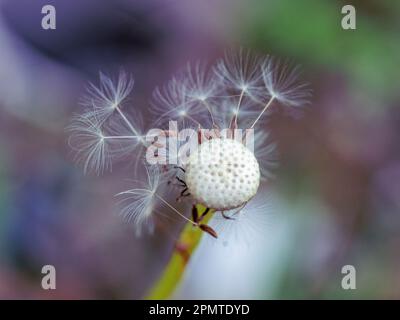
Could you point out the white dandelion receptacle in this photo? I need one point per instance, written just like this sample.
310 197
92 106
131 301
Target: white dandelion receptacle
222 174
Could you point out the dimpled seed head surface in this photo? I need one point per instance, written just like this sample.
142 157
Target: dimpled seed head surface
222 174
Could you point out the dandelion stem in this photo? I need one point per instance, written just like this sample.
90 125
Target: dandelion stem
263 110
185 246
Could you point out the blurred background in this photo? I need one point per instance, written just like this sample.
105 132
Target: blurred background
337 189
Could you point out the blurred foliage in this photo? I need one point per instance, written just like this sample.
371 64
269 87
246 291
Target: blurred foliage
311 30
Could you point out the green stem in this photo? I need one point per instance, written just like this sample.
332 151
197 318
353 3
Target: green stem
184 248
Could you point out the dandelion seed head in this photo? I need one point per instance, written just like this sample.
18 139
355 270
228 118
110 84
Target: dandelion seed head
222 174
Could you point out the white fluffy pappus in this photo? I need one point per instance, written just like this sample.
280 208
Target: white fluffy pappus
104 99
248 225
241 72
173 102
104 132
139 205
282 82
88 142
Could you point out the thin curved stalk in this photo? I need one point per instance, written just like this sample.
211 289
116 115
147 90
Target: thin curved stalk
188 241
